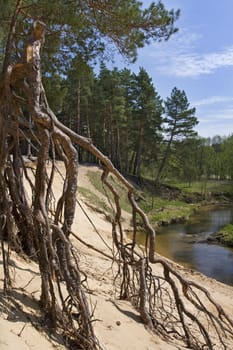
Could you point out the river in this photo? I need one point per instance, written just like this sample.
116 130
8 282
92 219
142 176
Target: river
181 243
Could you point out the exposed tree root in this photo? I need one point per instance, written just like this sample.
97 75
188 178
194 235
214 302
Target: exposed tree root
41 225
169 304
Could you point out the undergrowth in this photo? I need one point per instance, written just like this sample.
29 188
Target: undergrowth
157 208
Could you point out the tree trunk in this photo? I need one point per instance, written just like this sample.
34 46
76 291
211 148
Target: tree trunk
78 115
138 157
164 159
126 152
168 303
43 235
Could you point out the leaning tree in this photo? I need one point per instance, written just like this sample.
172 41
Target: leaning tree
38 224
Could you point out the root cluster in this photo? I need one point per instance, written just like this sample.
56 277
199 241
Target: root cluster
34 222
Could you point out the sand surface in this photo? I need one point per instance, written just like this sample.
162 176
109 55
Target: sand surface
118 324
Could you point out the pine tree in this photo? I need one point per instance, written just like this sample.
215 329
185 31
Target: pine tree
86 28
40 223
147 110
179 123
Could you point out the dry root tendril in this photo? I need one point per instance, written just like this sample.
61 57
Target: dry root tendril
168 304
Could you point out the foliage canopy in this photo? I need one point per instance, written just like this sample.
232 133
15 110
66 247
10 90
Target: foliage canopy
87 28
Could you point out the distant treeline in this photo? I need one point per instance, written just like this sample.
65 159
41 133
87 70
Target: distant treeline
123 114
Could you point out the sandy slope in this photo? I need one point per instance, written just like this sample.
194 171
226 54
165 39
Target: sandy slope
118 325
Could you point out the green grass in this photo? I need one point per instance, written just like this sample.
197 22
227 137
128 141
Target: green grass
215 186
121 190
226 233
157 208
94 200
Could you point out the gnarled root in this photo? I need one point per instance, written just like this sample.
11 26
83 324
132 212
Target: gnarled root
168 303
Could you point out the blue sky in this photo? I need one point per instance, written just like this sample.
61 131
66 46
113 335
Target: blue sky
199 60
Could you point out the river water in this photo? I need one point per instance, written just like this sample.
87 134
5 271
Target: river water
181 243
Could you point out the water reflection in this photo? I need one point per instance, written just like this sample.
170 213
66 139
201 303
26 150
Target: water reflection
181 244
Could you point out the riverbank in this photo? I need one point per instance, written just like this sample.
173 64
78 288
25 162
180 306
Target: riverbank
224 236
117 324
163 204
167 204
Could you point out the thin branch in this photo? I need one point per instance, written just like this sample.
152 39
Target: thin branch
12 31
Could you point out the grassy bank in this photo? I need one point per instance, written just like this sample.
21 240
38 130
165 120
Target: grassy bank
210 186
224 236
163 205
159 210
162 211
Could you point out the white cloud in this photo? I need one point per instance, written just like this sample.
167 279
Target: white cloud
179 57
210 129
193 64
227 114
216 117
212 100
215 123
